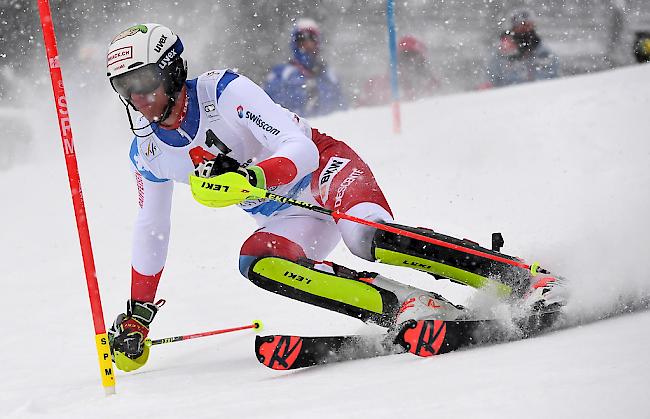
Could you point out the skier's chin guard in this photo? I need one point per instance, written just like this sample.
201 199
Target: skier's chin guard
444 261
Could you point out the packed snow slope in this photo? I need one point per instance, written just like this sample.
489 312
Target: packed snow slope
559 167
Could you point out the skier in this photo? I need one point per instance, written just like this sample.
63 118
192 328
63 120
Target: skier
221 125
306 84
531 61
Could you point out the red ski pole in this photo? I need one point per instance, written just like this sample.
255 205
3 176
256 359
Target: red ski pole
230 187
256 326
337 215
101 339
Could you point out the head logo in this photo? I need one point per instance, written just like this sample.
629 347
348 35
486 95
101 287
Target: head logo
240 111
131 31
160 43
119 54
167 59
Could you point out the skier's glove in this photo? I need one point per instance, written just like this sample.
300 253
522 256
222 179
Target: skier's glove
224 190
222 182
224 164
128 333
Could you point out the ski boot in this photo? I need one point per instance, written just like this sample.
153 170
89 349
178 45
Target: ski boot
546 293
542 303
423 305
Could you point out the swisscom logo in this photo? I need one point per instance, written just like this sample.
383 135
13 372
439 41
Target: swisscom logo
257 120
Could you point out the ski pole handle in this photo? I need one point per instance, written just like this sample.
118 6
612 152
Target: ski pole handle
256 326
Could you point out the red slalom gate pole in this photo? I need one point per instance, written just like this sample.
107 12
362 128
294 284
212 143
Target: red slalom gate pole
256 326
101 338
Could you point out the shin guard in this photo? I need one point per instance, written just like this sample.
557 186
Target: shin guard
342 290
454 264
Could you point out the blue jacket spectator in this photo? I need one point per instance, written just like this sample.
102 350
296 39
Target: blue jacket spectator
305 85
521 56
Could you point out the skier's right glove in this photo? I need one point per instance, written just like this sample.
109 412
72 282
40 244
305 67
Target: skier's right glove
224 190
128 333
224 164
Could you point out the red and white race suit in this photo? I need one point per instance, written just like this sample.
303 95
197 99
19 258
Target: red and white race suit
227 113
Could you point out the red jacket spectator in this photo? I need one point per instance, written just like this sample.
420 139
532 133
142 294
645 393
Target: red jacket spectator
416 80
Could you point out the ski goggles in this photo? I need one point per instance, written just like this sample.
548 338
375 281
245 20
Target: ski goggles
141 81
306 35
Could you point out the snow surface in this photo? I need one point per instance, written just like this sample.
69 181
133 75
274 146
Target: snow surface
559 167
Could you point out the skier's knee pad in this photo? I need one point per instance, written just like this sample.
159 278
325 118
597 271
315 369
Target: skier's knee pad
447 259
262 243
342 290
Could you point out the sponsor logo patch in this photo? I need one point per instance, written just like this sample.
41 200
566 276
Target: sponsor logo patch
257 120
54 62
150 150
240 111
138 180
119 54
131 31
167 59
340 192
428 301
299 278
210 109
160 44
416 265
334 165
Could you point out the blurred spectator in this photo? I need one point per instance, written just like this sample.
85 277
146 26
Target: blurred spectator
521 56
305 85
416 79
16 120
502 58
642 47
615 28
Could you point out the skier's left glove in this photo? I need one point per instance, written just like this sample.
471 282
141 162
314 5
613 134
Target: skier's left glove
224 164
127 336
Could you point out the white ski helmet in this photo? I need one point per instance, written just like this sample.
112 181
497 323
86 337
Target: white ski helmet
142 58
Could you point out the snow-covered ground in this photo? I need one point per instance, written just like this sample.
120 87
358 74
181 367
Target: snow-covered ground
559 167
